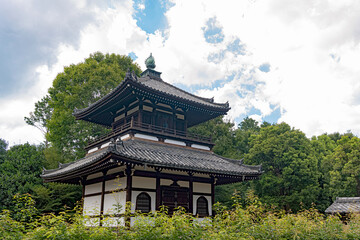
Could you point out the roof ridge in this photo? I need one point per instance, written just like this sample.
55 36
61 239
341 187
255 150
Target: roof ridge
209 100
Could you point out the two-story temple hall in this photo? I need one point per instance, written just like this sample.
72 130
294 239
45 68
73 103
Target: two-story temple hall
149 158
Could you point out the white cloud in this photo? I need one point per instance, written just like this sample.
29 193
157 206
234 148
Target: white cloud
312 48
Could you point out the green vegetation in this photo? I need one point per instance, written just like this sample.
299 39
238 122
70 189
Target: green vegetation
254 220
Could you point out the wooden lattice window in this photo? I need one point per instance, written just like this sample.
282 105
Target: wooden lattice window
143 202
202 207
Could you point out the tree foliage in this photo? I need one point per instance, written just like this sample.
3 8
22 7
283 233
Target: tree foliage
41 116
290 168
20 171
77 87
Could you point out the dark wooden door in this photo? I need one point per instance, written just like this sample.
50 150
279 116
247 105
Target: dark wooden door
174 197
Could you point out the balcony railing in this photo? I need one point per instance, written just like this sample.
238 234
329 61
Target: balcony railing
152 129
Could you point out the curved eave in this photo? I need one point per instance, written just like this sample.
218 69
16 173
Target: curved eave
128 86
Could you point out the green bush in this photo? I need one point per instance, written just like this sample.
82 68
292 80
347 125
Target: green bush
250 221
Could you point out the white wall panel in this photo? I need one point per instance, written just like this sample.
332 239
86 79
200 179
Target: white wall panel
92 205
91 222
93 188
114 203
115 170
113 221
95 175
114 184
202 187
144 182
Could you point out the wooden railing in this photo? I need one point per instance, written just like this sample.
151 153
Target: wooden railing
152 129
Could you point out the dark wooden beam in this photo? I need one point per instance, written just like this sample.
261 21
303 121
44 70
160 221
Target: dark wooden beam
128 173
158 190
191 193
102 197
212 195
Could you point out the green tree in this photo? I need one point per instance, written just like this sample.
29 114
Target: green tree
222 135
323 147
290 168
77 87
3 146
247 127
343 166
20 172
41 116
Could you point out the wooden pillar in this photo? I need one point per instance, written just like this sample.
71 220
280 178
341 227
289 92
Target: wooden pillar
158 190
191 196
212 195
140 111
128 173
82 181
102 197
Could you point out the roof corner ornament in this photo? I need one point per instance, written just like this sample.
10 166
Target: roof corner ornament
150 62
133 75
227 104
43 170
212 99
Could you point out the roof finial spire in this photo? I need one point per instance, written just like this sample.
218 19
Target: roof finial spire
150 62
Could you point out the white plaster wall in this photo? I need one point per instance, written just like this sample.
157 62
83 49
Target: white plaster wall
142 168
116 170
201 187
114 184
115 200
144 182
92 205
134 194
200 147
95 175
91 222
208 198
113 221
92 150
105 145
93 188
124 136
174 142
147 137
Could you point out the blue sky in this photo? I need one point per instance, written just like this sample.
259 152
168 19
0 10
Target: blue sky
273 60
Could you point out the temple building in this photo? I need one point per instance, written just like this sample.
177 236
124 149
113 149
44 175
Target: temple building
149 158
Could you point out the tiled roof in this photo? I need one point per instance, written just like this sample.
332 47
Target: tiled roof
344 205
163 155
159 86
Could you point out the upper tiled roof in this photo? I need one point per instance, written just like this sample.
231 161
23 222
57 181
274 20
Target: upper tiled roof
159 86
344 205
164 87
162 155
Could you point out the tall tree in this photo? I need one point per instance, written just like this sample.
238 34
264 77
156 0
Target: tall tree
3 146
41 116
290 168
77 87
20 171
222 134
343 166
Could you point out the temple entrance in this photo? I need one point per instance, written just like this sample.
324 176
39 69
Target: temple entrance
174 196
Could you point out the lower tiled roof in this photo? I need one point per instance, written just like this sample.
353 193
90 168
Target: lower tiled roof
161 155
344 205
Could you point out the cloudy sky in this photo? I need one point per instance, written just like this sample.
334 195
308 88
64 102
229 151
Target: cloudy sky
273 60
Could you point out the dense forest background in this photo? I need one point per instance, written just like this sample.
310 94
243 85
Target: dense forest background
299 173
